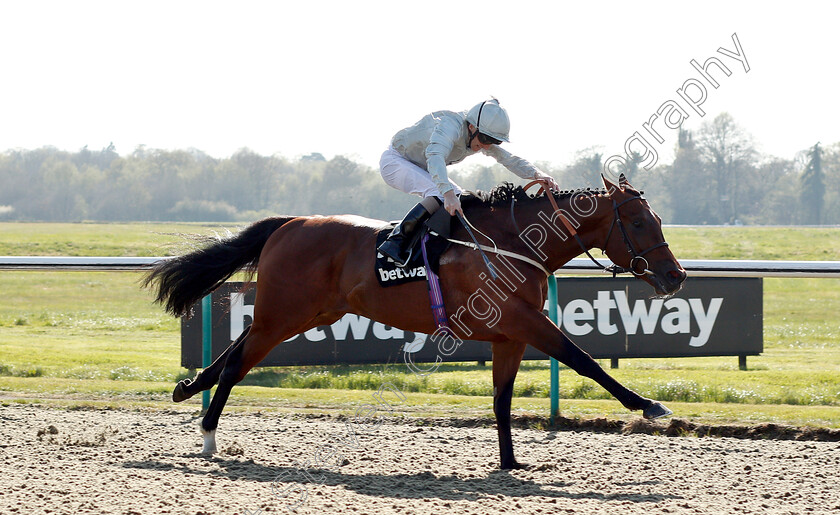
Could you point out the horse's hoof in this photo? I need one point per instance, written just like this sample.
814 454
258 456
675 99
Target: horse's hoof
515 465
209 442
179 393
656 410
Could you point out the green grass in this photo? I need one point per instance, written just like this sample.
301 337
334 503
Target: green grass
143 394
95 337
162 239
780 243
98 239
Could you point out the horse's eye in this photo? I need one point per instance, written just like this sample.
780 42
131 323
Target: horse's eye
636 223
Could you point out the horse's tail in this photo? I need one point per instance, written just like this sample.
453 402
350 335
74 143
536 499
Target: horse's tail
184 280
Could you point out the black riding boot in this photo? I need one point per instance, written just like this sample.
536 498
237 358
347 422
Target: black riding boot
396 246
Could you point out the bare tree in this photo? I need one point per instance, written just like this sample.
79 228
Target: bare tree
729 152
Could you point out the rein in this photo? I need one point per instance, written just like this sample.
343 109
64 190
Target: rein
636 257
502 252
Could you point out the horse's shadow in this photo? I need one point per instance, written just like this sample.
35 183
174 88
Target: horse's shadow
419 485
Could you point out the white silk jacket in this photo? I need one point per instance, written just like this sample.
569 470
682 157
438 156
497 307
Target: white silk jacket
440 139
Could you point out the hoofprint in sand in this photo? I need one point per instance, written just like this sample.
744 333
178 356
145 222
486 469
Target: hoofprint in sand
56 460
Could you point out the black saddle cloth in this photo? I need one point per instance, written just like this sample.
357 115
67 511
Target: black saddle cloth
389 274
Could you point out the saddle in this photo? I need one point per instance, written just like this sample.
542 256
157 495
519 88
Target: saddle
438 228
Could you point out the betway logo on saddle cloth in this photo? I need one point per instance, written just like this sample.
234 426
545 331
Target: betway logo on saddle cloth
401 273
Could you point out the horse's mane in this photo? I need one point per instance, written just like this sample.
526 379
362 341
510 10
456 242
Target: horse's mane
501 195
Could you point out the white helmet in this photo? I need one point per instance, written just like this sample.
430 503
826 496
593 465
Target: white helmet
491 119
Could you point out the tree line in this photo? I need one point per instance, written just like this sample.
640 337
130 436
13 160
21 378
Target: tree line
717 177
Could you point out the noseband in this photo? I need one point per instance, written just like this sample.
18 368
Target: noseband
636 257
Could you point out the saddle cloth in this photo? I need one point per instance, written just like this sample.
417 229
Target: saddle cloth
389 274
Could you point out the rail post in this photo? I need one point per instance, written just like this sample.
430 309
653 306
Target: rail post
555 367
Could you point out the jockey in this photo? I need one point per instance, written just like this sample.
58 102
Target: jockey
417 158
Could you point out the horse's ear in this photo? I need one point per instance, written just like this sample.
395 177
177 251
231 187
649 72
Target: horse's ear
622 181
625 186
610 186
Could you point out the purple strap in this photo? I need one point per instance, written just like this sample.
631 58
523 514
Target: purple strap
435 294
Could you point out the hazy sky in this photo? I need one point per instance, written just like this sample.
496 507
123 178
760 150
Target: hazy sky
342 77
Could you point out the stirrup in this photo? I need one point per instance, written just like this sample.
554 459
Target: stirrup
407 259
381 254
386 249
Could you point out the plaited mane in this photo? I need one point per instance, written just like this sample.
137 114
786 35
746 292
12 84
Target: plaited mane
501 195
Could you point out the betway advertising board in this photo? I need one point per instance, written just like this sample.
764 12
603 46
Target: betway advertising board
607 317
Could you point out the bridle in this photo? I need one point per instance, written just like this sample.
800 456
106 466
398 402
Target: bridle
636 256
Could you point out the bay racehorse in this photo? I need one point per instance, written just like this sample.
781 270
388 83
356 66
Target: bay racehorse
311 270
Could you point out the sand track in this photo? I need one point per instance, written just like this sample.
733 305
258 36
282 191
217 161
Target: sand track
55 460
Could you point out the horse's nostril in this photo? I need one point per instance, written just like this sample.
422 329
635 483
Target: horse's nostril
677 276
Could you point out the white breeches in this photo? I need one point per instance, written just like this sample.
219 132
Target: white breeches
400 173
